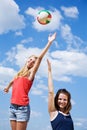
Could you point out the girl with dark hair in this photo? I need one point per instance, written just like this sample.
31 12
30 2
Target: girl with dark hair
59 106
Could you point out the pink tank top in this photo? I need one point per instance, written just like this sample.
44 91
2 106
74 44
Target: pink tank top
20 89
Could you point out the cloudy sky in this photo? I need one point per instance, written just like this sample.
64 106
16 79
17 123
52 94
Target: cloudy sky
21 36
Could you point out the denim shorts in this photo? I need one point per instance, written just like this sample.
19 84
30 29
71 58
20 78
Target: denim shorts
19 113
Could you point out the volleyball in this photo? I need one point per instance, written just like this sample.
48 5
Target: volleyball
44 17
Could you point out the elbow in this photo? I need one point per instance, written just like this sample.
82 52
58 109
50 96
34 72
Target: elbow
48 110
39 59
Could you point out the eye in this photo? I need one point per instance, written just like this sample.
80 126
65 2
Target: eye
60 99
64 100
33 62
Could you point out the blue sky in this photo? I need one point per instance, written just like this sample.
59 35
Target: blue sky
21 36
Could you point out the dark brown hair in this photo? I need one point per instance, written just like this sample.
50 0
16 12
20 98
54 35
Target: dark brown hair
69 106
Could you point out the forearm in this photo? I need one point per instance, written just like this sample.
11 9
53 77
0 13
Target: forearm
51 106
45 49
8 87
50 83
10 84
39 59
50 40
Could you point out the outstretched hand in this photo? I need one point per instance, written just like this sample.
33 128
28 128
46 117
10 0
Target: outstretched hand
6 90
51 38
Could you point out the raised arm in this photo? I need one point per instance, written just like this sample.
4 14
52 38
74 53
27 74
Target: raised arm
8 87
51 106
38 61
51 38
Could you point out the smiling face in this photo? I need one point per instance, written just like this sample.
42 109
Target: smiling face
62 101
31 61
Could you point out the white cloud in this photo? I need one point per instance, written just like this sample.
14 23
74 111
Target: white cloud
30 39
53 25
36 91
6 71
35 114
10 19
64 63
81 122
33 12
68 63
6 74
39 86
70 11
18 33
73 42
73 102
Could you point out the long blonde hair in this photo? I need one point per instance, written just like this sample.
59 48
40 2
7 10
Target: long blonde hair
24 72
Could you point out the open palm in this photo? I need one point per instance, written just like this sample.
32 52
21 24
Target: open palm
52 37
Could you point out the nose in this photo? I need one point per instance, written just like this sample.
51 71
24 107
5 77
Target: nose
62 101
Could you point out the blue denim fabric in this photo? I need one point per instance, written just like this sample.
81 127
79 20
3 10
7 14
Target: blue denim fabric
19 113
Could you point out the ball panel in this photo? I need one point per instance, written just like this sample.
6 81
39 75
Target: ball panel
44 17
